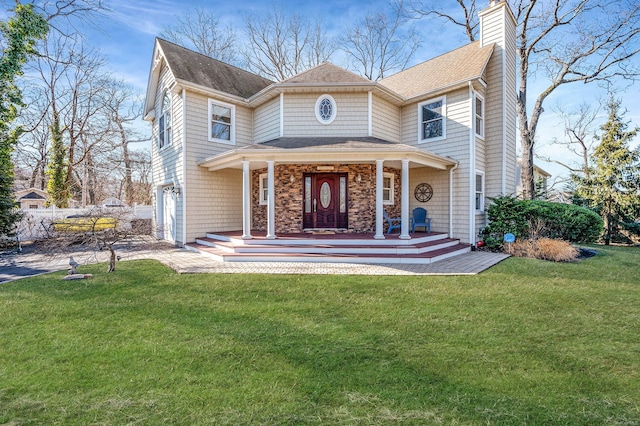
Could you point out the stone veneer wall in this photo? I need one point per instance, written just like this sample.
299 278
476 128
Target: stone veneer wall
288 196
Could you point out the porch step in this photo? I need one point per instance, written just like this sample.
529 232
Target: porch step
333 239
421 248
275 256
321 247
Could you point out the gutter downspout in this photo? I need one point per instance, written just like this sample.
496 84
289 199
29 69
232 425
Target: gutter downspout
451 170
184 168
472 167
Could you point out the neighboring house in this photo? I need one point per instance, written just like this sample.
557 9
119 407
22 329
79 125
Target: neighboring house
540 179
32 198
330 150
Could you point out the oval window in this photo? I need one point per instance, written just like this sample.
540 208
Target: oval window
325 195
326 109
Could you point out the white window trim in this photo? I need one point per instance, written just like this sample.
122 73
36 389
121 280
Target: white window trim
475 190
334 109
232 131
167 123
444 119
264 200
481 134
391 200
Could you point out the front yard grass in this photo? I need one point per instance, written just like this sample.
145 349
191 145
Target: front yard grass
526 342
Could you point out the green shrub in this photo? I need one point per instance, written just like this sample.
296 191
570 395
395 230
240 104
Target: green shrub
565 221
506 214
538 219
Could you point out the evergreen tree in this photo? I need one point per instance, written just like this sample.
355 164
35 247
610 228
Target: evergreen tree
613 186
18 37
57 168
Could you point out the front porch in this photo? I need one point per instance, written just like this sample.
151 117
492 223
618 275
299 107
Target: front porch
329 247
291 185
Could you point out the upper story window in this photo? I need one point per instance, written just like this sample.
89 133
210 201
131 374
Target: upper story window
479 112
164 123
431 116
326 109
222 122
387 188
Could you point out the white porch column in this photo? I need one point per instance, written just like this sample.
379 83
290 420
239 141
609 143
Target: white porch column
404 205
271 207
379 207
246 200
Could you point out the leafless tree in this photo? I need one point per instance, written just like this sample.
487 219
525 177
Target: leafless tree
64 16
281 46
69 80
99 229
567 40
123 109
201 29
580 128
32 156
95 113
381 43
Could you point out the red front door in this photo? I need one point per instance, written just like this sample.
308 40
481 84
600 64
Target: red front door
325 201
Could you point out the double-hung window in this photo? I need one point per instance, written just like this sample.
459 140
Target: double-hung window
479 113
264 188
480 192
387 188
164 122
222 122
432 120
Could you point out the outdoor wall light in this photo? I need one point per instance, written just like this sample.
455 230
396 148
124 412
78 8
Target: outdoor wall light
358 178
292 179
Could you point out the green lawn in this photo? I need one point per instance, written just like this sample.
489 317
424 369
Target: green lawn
527 342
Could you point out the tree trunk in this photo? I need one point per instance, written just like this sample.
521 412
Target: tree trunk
112 259
128 180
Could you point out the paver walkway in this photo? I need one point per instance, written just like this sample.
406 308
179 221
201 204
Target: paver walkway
14 266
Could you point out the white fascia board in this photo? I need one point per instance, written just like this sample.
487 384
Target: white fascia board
152 82
275 89
233 159
237 100
462 84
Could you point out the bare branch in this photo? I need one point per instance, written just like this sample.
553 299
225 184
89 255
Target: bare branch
416 9
572 40
380 43
281 46
201 30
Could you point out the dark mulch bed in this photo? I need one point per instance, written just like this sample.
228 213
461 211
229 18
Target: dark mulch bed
584 253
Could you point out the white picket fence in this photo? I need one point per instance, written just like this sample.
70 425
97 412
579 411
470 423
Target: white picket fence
35 221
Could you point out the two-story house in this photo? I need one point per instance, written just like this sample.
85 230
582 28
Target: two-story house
240 161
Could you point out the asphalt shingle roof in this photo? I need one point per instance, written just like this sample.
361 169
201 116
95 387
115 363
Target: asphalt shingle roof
326 72
462 64
329 142
200 69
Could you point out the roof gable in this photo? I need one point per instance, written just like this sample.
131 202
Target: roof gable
463 64
199 69
326 73
31 194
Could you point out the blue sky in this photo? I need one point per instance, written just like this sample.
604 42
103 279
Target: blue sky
126 33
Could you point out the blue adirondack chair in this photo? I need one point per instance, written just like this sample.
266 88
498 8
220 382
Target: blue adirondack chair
420 219
391 220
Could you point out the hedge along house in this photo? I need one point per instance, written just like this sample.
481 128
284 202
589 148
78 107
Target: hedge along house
241 162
